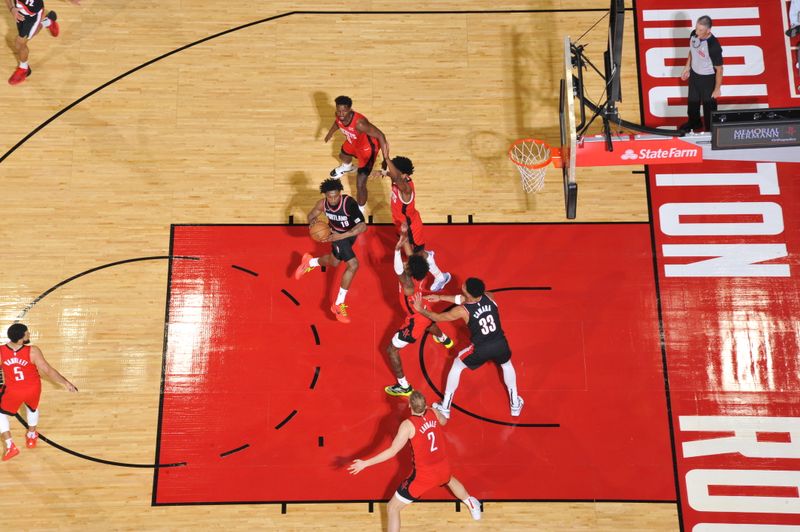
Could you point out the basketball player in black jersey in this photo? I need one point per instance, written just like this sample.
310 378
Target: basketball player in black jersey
346 222
479 311
29 19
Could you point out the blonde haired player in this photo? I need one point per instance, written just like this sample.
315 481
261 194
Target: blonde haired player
431 465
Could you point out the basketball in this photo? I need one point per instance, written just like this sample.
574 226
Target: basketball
319 229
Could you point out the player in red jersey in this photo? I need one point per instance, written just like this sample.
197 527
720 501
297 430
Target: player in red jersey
29 19
21 366
404 211
362 142
431 465
410 275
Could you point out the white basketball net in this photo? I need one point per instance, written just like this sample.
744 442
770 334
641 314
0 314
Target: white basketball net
532 159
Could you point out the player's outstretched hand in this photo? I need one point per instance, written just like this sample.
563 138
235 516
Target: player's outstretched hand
70 387
402 240
433 298
357 466
418 301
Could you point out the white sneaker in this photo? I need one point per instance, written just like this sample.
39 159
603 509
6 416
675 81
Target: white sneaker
516 409
474 506
441 283
442 410
342 169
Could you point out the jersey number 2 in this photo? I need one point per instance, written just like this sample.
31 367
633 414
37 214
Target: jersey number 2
18 375
487 325
432 437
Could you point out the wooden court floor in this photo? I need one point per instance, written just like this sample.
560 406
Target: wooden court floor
230 131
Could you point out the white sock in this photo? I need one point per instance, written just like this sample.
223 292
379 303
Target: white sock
510 378
313 262
32 416
402 382
361 208
441 338
46 22
23 64
9 443
452 382
31 434
435 271
341 296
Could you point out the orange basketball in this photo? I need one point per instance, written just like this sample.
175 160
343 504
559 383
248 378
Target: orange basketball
319 229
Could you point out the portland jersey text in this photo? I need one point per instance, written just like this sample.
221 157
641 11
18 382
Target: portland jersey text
343 216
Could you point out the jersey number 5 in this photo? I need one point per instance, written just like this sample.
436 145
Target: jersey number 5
432 437
18 375
487 325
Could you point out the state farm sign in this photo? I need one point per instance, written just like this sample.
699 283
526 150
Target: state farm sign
638 151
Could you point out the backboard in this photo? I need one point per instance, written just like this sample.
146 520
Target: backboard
568 133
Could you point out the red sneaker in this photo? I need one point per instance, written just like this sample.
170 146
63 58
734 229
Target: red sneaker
340 311
304 267
19 75
30 443
53 27
10 453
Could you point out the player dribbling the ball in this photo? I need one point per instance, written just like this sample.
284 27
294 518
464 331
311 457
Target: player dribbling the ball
346 222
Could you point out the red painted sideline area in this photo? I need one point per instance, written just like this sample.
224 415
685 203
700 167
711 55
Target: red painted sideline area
241 358
727 240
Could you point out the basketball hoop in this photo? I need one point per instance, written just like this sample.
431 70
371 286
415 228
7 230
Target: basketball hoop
531 157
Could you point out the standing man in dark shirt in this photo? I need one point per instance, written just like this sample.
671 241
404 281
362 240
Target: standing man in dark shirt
704 71
346 222
479 311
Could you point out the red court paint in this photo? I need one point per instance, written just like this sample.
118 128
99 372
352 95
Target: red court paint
241 358
726 239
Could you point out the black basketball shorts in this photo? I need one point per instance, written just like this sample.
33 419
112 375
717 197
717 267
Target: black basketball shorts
343 249
476 356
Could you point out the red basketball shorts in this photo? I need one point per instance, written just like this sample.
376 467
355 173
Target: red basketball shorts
422 480
12 396
411 331
365 151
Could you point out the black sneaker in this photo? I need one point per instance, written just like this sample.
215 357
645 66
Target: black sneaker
688 126
398 391
794 31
